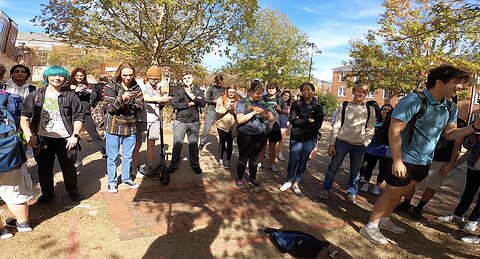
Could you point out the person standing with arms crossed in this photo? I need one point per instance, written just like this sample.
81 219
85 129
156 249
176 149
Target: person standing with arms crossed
211 97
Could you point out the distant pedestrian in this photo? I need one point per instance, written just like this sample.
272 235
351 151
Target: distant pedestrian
284 123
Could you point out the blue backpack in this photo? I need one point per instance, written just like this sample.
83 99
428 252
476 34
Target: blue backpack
12 152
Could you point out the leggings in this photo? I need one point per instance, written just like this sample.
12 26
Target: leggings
249 147
226 143
472 185
368 165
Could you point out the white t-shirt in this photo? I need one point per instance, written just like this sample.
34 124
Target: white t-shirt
152 109
51 123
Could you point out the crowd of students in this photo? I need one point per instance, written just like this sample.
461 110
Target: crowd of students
417 139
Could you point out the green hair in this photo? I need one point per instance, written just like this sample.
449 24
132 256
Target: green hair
54 71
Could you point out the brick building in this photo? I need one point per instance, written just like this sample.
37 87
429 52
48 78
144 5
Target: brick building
8 35
340 89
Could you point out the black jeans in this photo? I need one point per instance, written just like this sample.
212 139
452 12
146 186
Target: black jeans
225 143
472 185
368 165
249 147
45 158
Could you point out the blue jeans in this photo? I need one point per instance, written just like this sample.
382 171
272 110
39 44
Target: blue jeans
299 154
356 153
113 143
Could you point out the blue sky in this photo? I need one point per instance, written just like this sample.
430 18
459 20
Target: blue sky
329 24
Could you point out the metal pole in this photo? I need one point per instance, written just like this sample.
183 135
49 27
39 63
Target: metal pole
310 67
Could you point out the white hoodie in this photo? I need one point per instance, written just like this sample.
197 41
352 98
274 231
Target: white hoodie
13 88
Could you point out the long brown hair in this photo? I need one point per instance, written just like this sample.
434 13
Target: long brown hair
74 81
118 73
225 94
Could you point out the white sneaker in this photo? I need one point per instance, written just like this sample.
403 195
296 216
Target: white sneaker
377 190
324 195
352 198
390 226
296 189
374 235
220 162
365 187
280 157
273 168
450 218
226 164
470 226
259 166
285 186
471 239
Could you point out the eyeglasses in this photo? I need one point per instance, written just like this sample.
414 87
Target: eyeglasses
386 109
231 92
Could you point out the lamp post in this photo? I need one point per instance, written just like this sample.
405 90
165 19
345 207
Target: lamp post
314 49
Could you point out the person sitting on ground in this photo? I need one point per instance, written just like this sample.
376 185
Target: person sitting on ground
124 102
51 120
188 102
411 151
351 134
375 152
306 117
226 124
154 103
472 185
252 114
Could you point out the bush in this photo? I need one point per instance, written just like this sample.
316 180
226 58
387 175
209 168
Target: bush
329 103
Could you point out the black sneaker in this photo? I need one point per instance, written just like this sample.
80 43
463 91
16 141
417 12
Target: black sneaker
44 199
416 213
22 227
130 184
75 196
254 183
403 207
112 188
198 170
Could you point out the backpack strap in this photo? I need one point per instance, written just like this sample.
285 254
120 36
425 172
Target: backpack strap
344 106
38 100
411 124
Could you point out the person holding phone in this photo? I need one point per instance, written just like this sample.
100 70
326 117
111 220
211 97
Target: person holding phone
124 101
226 124
187 101
78 83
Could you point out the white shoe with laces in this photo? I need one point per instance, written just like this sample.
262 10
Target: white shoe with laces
296 189
390 226
374 235
471 239
450 218
470 226
285 186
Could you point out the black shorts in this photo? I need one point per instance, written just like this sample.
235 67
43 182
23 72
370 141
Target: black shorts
414 172
275 135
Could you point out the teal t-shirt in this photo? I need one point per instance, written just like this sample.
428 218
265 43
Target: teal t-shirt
427 129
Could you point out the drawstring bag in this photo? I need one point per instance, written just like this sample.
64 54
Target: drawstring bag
297 243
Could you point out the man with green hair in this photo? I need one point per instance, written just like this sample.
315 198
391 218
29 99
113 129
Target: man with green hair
51 119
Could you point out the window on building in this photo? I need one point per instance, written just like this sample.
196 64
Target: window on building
341 92
477 98
43 57
386 94
370 94
342 77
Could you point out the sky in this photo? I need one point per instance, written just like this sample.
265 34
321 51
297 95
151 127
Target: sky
329 24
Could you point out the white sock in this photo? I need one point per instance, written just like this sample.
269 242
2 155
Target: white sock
371 225
384 219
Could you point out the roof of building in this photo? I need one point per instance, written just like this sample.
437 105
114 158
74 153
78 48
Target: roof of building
346 68
35 36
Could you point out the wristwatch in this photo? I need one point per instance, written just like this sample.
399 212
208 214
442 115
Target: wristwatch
77 136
